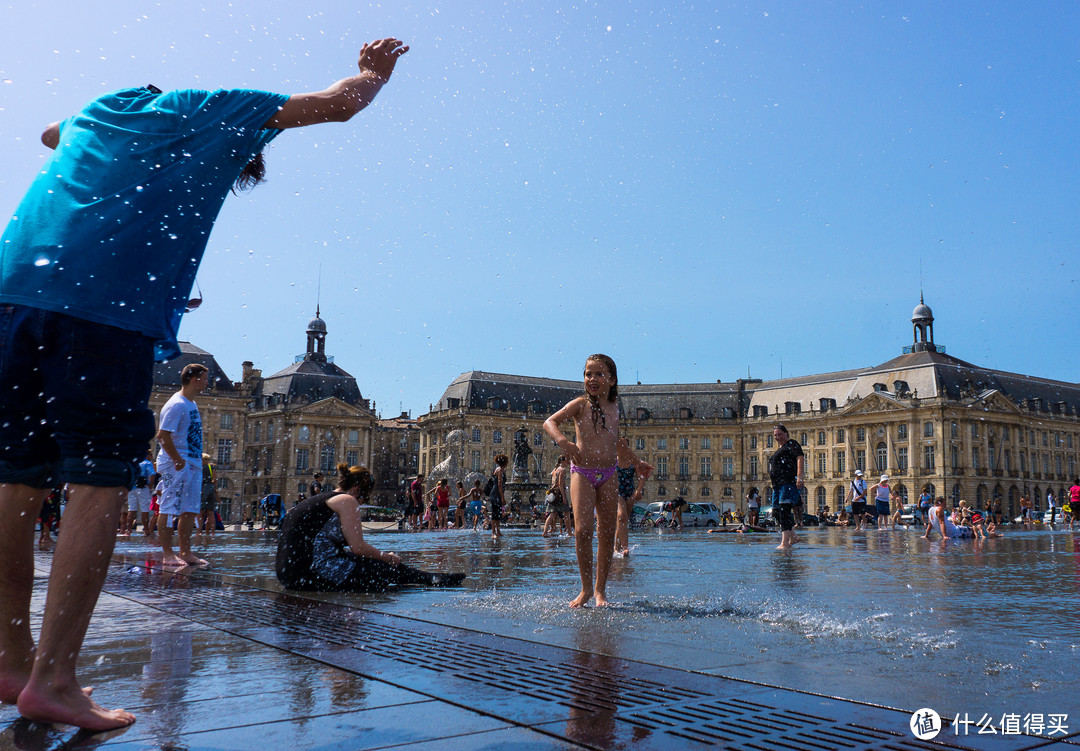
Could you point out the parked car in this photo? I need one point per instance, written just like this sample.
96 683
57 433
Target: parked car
694 514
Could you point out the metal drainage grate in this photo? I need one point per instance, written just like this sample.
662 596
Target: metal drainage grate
587 683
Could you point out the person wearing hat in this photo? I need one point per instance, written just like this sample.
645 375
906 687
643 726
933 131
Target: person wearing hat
880 493
858 500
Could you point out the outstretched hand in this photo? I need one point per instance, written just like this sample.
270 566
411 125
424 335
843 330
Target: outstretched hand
380 57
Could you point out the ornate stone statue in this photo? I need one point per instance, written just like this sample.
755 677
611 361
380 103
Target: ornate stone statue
521 457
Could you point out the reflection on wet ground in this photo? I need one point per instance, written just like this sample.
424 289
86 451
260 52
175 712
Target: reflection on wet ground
219 658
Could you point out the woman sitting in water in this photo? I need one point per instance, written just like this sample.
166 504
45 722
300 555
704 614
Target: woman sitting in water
321 544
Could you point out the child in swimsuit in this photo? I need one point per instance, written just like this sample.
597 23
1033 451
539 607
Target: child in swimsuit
594 457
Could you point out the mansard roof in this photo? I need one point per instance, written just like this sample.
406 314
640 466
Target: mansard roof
167 374
925 374
311 381
515 393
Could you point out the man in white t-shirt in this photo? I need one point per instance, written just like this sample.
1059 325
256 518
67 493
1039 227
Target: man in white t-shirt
179 463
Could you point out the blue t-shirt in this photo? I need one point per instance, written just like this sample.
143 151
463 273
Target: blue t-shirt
114 226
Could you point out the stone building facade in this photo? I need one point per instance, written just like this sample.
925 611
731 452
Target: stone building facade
926 418
270 434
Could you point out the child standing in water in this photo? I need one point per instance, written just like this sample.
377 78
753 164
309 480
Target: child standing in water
594 458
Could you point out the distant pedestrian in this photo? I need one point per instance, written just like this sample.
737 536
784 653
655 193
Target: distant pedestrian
415 510
179 461
555 501
753 506
787 468
882 495
497 496
1074 503
208 498
462 502
857 494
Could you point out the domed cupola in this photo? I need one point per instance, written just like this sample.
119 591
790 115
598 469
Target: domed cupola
922 321
316 339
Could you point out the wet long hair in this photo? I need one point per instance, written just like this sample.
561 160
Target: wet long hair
350 477
254 172
613 392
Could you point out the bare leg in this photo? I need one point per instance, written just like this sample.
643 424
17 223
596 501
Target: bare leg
18 505
165 535
607 500
583 499
79 566
622 527
184 528
549 524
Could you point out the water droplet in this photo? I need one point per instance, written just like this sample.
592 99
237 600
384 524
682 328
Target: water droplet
42 260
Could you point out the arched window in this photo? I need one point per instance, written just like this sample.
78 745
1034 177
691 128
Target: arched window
956 494
822 496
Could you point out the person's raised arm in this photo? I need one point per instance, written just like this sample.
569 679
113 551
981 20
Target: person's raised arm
551 427
340 101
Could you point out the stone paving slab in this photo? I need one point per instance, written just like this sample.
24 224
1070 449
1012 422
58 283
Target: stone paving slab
206 662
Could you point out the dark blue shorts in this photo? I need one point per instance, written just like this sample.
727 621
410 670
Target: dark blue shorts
786 499
73 400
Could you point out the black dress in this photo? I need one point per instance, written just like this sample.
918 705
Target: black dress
313 555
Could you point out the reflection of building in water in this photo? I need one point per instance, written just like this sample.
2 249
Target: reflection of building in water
270 434
925 417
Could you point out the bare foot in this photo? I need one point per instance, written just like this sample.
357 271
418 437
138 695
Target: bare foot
74 707
172 561
46 543
580 600
624 552
601 599
192 559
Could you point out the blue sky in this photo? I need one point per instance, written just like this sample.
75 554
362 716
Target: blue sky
701 190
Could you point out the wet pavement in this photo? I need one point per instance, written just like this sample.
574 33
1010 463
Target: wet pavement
221 658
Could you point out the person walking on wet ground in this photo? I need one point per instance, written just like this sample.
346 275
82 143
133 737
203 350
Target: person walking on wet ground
96 269
629 492
441 506
496 494
138 503
415 510
180 464
881 493
321 545
555 502
753 506
1074 503
787 470
49 518
857 493
462 502
208 499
